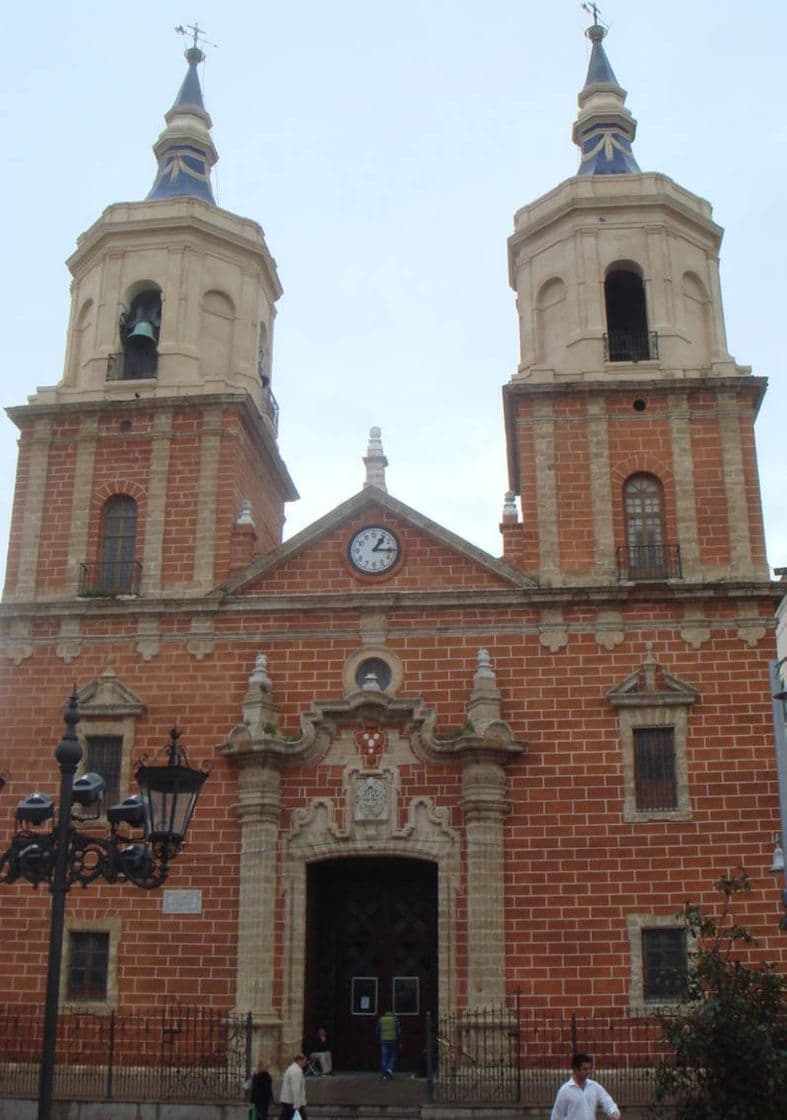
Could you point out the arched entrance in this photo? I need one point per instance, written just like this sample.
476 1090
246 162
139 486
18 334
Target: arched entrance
371 944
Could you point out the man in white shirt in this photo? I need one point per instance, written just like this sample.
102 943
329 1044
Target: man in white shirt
293 1089
579 1098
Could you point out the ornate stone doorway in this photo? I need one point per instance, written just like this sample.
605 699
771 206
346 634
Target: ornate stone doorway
371 946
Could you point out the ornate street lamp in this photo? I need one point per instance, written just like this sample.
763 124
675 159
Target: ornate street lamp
63 845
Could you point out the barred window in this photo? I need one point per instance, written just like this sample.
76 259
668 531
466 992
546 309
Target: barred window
88 970
654 768
664 964
104 756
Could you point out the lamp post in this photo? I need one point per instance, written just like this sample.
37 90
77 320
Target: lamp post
146 832
779 694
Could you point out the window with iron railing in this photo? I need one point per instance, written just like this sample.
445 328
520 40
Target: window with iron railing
646 554
117 571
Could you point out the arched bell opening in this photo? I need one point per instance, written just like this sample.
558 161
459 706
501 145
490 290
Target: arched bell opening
140 326
627 338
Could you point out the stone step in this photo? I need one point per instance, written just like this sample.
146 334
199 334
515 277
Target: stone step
353 1089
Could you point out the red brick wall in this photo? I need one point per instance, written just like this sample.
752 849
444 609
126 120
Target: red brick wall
574 868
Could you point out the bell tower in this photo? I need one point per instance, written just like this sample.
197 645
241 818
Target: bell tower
152 467
629 424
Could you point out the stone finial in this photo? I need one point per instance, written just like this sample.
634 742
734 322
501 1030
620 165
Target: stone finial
259 674
243 539
375 461
484 705
510 514
484 670
245 515
259 710
649 668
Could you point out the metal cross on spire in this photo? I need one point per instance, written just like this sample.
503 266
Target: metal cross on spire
196 32
593 10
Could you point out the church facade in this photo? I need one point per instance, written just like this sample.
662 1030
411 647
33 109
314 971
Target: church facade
437 776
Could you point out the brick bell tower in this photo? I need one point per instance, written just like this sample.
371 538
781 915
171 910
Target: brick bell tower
152 467
630 427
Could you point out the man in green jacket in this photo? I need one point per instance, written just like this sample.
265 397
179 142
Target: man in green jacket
389 1032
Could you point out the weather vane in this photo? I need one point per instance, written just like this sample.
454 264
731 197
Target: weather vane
196 32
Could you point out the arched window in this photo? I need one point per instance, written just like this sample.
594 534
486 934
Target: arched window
627 338
643 505
117 565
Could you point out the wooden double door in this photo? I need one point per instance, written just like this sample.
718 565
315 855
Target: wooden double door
371 947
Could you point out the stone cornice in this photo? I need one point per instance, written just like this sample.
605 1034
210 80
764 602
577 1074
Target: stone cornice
161 218
661 382
534 596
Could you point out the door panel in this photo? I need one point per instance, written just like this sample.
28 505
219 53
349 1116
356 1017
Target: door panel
371 945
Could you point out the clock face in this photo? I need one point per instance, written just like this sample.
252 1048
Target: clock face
374 550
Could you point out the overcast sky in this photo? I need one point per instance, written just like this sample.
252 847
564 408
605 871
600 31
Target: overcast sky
384 149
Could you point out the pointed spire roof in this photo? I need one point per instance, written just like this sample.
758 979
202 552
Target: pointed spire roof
185 150
604 128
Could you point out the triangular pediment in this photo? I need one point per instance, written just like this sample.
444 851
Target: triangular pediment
108 696
325 541
650 684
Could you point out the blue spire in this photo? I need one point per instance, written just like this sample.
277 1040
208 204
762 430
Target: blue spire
604 129
185 150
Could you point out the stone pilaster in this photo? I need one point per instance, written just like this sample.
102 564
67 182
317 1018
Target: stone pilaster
157 501
205 533
258 808
485 807
735 486
600 491
546 493
80 500
685 498
34 510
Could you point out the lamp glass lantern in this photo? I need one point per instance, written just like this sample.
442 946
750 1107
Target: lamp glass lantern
169 794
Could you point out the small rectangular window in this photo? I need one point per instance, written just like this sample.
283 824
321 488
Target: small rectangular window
104 756
654 768
664 964
88 965
363 995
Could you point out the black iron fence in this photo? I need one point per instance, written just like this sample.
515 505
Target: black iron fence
511 1056
495 1056
178 1054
